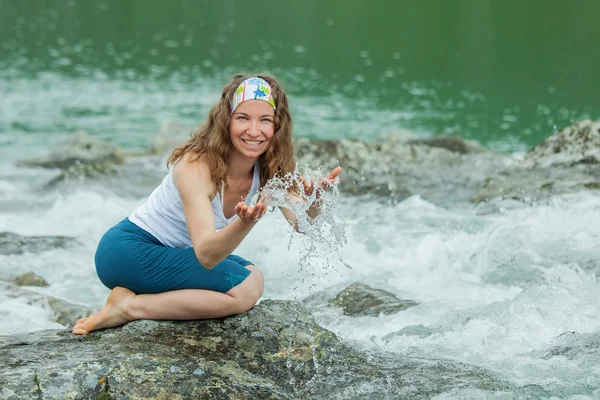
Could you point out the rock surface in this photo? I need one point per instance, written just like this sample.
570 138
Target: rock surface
11 243
538 183
455 144
67 313
399 165
82 155
576 144
448 169
274 351
572 345
566 162
359 299
30 279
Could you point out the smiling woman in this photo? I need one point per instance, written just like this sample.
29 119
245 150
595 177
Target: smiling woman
172 257
252 128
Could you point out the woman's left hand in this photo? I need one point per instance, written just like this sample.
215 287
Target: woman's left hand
321 183
251 214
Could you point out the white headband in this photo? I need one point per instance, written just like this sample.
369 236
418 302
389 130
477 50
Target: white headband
254 88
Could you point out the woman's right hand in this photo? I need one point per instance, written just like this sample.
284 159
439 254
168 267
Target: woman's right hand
250 213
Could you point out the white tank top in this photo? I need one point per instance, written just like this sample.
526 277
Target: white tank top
162 214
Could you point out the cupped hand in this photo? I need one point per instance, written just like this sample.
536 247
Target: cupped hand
321 183
250 213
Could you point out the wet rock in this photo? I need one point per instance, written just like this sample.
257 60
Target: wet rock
274 351
420 331
380 189
573 345
30 279
359 299
11 243
82 155
65 313
389 155
455 144
566 162
449 169
399 165
576 144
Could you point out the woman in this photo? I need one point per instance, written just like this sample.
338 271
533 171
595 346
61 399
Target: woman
171 258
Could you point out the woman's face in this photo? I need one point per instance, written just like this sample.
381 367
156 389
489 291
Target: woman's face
252 127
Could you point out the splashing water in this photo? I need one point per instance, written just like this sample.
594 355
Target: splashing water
326 233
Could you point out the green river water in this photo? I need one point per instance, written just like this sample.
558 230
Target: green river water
506 73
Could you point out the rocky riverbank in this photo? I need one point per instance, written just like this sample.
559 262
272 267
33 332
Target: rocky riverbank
275 351
444 170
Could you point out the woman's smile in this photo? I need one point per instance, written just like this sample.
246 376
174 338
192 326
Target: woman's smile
253 143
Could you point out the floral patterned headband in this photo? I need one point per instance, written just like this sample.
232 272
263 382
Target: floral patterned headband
254 88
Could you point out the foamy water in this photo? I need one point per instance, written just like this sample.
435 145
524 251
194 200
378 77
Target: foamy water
495 290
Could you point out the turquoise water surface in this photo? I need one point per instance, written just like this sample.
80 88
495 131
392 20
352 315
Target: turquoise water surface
504 73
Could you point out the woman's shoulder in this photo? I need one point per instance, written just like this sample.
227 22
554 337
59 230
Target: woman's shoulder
194 169
191 161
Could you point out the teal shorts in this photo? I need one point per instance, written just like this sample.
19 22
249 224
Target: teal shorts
130 257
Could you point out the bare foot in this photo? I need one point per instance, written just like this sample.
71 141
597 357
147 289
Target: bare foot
82 320
113 314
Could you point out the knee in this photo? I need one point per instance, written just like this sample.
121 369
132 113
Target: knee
254 290
260 280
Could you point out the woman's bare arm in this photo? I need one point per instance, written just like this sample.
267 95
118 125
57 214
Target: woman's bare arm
195 187
290 216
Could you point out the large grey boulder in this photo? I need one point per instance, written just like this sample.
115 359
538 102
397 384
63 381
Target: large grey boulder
274 351
449 169
399 165
566 162
538 183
